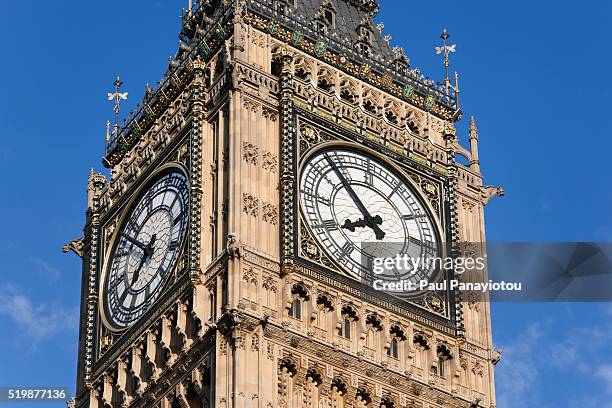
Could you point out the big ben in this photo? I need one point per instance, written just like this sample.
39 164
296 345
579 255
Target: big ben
228 259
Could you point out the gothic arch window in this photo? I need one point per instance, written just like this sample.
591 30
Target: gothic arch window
313 382
363 398
324 306
207 78
325 18
295 310
370 101
397 336
287 371
444 355
299 294
349 317
387 402
393 350
338 392
374 328
329 15
421 346
275 66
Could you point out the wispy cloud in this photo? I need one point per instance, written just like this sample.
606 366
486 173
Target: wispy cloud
46 270
36 321
550 346
605 373
517 375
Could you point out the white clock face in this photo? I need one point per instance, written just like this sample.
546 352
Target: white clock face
349 198
146 249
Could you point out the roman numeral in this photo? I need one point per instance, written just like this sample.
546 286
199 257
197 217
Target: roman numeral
347 249
395 188
177 219
323 200
131 225
420 243
173 245
329 225
414 216
123 296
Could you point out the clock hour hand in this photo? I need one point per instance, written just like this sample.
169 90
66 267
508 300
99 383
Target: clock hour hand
370 221
361 223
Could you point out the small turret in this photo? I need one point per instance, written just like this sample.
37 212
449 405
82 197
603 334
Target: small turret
475 162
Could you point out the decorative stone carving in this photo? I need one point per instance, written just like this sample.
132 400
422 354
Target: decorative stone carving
487 193
233 246
270 213
250 152
269 114
250 204
270 162
251 105
75 246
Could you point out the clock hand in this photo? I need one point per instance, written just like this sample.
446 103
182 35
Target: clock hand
136 274
349 225
149 248
134 241
364 211
148 252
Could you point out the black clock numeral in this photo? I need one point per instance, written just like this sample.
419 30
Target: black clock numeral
323 200
414 216
123 296
177 219
173 245
424 244
131 225
329 225
347 249
368 176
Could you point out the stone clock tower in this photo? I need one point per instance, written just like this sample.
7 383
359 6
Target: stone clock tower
224 261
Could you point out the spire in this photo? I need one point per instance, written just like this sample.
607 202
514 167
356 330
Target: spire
474 162
473 129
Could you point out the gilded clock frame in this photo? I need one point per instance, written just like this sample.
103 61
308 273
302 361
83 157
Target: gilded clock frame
337 137
124 212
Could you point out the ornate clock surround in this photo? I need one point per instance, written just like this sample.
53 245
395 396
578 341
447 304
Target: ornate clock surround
320 268
173 155
119 220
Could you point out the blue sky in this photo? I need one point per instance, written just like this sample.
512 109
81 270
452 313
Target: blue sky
535 75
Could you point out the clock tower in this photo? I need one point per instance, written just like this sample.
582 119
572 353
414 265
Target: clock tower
226 260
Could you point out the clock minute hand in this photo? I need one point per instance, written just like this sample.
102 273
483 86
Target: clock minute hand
134 241
148 252
136 273
364 211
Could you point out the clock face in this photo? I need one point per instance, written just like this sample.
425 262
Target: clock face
359 209
146 248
